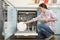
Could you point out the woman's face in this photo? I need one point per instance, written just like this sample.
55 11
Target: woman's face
42 9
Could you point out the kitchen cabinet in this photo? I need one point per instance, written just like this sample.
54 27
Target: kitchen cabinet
56 10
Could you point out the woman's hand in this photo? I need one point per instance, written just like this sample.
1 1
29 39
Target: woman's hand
30 21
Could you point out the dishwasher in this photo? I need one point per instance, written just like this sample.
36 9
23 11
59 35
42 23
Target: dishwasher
25 15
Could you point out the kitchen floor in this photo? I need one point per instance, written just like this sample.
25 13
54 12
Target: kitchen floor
57 37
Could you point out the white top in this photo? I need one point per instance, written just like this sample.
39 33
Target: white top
49 14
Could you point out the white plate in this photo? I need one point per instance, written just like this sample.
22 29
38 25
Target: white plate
21 26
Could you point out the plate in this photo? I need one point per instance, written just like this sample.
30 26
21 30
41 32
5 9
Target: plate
21 26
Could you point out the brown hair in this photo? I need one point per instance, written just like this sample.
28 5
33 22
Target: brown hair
43 5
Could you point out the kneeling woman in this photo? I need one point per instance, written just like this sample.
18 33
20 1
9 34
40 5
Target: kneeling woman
47 26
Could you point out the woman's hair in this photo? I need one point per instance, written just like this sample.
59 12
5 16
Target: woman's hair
43 5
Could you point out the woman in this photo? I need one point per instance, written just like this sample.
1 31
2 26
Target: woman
47 26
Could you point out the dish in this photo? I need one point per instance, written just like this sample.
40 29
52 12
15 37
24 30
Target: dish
21 26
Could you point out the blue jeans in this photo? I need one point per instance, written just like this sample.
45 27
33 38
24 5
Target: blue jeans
44 31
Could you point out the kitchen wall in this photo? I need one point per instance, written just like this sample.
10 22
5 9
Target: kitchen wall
56 10
27 4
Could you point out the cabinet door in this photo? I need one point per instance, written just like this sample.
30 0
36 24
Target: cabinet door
57 13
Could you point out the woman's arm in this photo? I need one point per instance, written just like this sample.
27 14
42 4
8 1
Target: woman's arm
33 20
30 21
49 19
52 17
